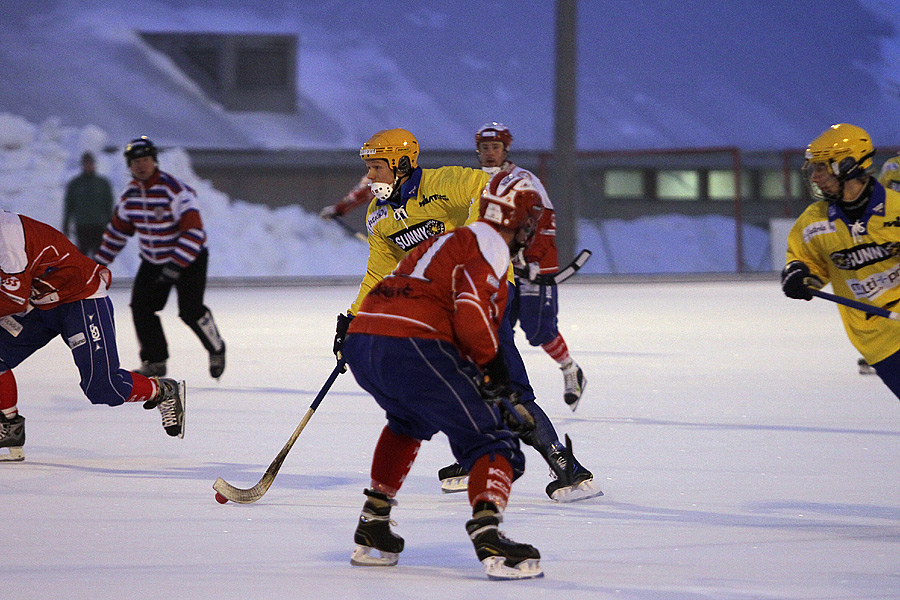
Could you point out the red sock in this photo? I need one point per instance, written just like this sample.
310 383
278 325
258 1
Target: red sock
393 458
142 388
557 349
490 480
9 394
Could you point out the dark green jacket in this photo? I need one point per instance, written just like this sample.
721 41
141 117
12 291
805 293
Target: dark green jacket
88 201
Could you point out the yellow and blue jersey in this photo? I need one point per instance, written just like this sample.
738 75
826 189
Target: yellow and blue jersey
431 202
861 260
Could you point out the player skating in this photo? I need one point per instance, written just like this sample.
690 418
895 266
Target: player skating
849 238
425 344
535 298
50 289
411 205
163 211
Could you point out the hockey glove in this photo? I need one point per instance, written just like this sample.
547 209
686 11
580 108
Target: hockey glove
515 415
796 280
340 333
494 382
495 390
169 274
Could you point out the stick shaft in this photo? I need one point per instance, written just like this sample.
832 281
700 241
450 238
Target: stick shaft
248 496
874 310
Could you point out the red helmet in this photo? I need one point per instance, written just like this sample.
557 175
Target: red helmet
512 202
494 131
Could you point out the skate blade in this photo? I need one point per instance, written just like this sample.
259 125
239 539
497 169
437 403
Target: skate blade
16 454
582 491
362 557
496 569
572 401
452 485
182 389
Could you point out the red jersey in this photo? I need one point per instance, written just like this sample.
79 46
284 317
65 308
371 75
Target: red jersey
40 267
450 287
542 249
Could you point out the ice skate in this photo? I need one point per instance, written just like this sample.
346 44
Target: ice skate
453 479
574 381
502 558
152 369
373 534
217 363
865 368
12 437
572 481
170 400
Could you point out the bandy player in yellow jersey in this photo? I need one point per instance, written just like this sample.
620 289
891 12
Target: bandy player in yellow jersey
412 205
850 237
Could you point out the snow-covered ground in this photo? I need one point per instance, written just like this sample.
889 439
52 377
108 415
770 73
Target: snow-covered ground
740 454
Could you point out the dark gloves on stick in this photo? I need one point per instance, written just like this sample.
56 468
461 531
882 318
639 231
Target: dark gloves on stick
495 389
796 280
340 333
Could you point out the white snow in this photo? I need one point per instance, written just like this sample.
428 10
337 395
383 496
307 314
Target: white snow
740 454
251 240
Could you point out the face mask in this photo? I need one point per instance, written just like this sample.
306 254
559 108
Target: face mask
382 191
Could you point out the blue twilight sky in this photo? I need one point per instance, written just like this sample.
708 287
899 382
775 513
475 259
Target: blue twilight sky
652 73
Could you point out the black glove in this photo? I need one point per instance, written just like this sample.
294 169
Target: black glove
169 274
796 281
494 382
340 333
495 390
515 415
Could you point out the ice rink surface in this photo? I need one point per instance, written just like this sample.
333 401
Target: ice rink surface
741 456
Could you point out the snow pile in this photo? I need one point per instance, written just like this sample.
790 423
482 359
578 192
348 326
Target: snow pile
251 240
245 240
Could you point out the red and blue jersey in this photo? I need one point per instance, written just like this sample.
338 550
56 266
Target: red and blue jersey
451 287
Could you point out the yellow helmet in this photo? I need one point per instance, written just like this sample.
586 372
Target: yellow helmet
846 149
397 146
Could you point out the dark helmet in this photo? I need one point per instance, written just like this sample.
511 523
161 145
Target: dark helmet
138 148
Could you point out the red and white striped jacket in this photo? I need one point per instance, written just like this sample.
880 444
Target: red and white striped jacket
450 287
164 213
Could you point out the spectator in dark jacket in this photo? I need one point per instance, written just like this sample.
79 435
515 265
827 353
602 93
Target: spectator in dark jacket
88 206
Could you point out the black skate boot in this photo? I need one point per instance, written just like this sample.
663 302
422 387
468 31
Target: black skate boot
374 533
152 369
12 436
217 363
502 558
453 479
170 400
573 482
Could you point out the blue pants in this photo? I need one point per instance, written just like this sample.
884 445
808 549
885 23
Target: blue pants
535 307
544 435
889 371
88 328
425 386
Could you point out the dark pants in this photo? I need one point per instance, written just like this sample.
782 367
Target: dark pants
149 296
88 327
889 371
89 238
425 386
544 435
534 307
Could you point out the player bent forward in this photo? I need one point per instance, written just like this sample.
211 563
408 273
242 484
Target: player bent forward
49 288
424 344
